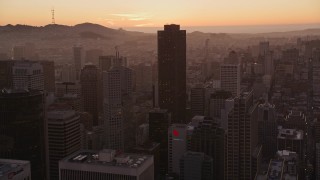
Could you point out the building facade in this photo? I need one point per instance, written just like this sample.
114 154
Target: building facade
172 71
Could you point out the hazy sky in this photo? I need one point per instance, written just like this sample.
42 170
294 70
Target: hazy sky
142 13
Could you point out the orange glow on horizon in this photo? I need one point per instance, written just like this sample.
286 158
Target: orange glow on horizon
144 13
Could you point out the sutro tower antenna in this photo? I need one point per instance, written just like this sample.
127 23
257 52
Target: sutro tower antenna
52 13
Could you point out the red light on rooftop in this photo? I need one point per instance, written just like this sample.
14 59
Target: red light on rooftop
175 133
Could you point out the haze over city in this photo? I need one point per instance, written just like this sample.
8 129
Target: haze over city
159 90
152 13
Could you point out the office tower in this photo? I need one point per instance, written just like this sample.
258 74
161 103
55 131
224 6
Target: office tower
267 129
197 100
208 137
143 78
196 165
93 55
6 73
22 130
291 140
263 48
14 169
63 137
242 138
230 78
142 134
126 80
68 73
78 60
49 75
106 164
159 122
112 109
217 102
27 75
172 71
63 88
105 62
269 64
89 80
18 52
179 136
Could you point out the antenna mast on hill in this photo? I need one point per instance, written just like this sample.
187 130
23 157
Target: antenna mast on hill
52 13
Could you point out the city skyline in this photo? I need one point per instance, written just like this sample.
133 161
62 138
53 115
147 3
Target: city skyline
144 13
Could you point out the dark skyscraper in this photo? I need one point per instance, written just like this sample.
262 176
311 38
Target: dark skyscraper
6 73
48 75
172 71
242 138
159 122
78 60
22 129
208 137
89 91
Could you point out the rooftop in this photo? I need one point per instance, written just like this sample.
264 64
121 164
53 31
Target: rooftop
107 157
293 134
8 165
61 114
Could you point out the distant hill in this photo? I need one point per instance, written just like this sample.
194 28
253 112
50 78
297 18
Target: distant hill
84 30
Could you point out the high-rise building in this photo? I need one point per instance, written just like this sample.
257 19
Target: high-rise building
78 58
267 129
126 80
242 138
179 136
209 138
49 75
230 78
196 165
14 169
89 80
197 100
268 63
22 130
106 164
28 75
217 103
143 78
112 109
159 122
263 48
172 71
6 73
63 137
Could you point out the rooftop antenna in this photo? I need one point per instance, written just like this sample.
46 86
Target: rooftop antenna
117 52
52 13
